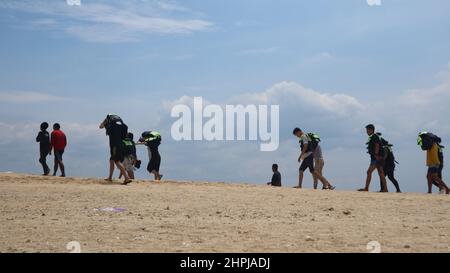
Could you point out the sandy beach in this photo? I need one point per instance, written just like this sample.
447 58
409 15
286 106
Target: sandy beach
44 214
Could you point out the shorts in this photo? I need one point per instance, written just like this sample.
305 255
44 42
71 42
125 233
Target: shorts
433 169
128 163
58 155
117 153
307 163
375 162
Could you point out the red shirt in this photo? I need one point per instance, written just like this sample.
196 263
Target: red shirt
58 140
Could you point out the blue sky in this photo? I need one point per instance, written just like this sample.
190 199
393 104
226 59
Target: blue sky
74 64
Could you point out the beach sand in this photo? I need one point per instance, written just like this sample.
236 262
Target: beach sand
43 214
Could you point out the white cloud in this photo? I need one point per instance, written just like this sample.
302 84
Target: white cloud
113 21
259 51
29 97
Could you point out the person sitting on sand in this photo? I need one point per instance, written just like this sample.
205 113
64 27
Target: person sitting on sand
152 140
44 146
374 147
276 177
58 144
117 131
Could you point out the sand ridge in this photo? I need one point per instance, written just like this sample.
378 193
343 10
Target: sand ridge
43 214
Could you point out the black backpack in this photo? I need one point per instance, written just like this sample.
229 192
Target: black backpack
386 148
426 140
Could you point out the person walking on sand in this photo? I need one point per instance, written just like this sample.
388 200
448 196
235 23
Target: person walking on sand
130 155
308 146
117 131
430 143
58 145
319 163
374 147
389 163
44 147
441 168
152 139
306 156
276 177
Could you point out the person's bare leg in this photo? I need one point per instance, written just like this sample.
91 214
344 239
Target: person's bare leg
316 181
123 172
62 168
157 175
369 177
318 173
430 183
55 167
300 179
383 179
111 171
130 174
435 177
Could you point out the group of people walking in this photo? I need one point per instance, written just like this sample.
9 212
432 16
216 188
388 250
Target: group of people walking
123 155
56 142
123 149
382 159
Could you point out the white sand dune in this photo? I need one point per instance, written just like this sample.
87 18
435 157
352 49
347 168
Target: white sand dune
43 214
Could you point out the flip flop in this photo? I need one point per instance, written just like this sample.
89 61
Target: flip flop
362 190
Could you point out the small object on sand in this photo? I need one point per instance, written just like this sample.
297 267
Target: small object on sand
347 212
309 239
407 246
112 209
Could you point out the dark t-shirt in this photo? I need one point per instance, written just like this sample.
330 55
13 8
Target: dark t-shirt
117 132
374 139
44 141
276 179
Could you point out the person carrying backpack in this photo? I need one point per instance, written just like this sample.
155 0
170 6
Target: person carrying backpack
375 149
130 155
117 131
152 139
430 143
389 163
43 138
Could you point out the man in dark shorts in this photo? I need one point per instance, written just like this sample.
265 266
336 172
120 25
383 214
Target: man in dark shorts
433 164
374 147
306 156
44 146
117 131
59 143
